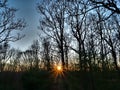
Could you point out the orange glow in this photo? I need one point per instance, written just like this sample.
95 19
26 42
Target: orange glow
59 68
57 71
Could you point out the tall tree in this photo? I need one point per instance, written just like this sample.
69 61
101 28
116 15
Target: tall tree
35 48
46 52
112 41
78 23
52 23
8 24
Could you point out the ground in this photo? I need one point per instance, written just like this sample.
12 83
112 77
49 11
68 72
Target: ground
72 80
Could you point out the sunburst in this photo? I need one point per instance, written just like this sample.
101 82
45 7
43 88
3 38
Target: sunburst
59 68
57 72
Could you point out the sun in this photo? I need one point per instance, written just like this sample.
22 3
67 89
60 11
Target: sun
59 68
57 71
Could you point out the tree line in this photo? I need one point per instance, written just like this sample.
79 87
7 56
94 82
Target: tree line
80 34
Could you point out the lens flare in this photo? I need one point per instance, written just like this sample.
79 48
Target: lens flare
57 71
59 68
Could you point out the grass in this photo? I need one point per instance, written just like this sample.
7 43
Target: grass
107 81
10 81
73 80
30 80
36 80
94 81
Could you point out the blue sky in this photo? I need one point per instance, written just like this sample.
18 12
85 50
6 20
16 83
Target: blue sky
26 10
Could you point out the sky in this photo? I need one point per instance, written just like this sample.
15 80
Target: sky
27 10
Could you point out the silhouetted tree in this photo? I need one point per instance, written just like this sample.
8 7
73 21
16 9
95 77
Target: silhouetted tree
112 5
46 51
112 41
78 26
35 47
52 22
27 59
4 57
8 24
14 60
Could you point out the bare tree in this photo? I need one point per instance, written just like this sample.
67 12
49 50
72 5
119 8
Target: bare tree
100 32
35 48
112 41
67 41
53 22
3 3
46 52
27 59
86 24
112 5
4 57
78 23
14 60
8 24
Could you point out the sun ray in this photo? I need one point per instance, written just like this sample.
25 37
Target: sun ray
57 71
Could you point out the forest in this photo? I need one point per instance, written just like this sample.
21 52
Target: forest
78 47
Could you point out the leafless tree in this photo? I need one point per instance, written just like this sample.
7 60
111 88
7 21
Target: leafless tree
112 41
4 57
8 24
52 22
14 60
3 3
46 52
89 23
67 41
78 24
27 59
36 49
112 5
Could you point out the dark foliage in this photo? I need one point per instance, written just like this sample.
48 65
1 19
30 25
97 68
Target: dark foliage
36 80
